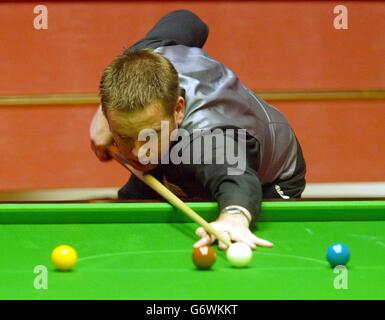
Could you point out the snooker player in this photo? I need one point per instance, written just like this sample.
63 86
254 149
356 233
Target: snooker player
168 78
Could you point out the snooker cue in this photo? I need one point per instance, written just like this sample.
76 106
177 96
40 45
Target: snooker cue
158 187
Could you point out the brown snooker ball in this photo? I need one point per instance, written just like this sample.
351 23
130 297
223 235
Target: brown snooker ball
204 257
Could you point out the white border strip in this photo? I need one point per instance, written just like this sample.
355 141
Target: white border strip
312 190
345 190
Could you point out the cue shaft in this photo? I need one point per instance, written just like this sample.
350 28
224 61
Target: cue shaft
158 187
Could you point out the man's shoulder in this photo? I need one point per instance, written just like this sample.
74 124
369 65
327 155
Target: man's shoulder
180 48
181 53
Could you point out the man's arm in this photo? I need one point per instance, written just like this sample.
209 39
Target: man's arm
181 27
229 189
100 135
239 196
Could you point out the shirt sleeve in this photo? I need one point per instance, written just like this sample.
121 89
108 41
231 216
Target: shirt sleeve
230 182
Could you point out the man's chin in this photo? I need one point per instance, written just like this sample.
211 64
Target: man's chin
143 167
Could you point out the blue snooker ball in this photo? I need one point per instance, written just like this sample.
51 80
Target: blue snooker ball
338 254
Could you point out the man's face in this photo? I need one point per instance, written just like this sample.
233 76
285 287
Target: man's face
126 126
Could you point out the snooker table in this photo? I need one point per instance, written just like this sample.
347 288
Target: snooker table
142 250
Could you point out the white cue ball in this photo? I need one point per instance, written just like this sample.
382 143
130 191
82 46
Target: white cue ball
239 254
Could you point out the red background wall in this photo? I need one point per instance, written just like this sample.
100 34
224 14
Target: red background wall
271 46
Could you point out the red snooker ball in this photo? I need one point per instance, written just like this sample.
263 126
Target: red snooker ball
204 257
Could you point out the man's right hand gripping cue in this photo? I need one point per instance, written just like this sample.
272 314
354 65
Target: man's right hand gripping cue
100 135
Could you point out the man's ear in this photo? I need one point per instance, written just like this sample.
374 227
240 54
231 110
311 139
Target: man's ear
179 110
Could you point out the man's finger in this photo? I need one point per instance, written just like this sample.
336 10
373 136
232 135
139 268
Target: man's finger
104 155
206 238
101 152
262 242
222 245
205 241
200 232
243 238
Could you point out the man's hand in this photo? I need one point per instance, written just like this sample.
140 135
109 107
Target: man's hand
100 136
235 227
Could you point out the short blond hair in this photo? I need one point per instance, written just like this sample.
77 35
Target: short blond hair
137 79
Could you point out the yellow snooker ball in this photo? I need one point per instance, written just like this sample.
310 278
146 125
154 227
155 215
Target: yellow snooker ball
64 257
